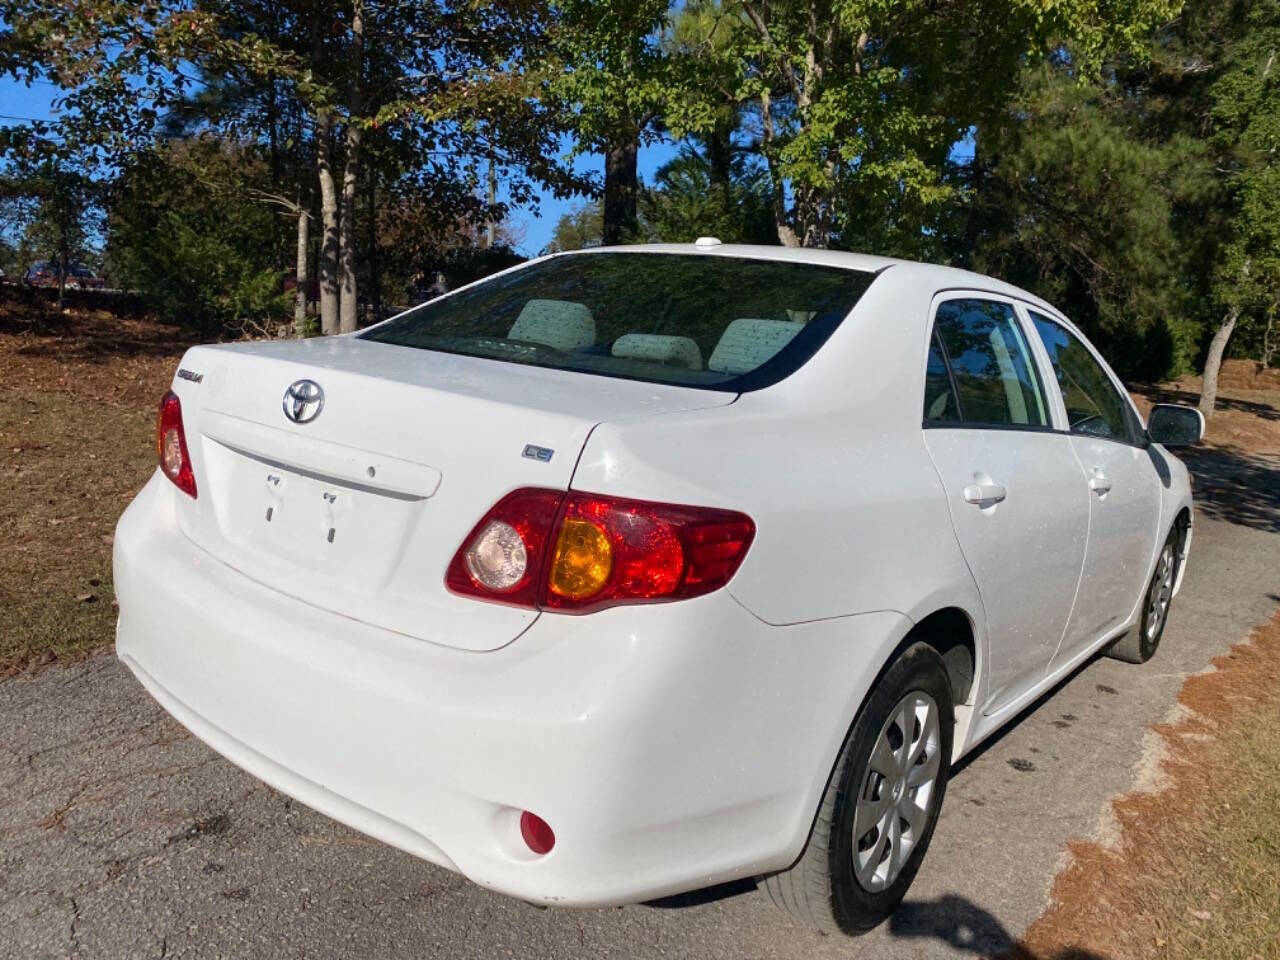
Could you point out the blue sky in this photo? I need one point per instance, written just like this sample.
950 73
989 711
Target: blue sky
537 229
18 102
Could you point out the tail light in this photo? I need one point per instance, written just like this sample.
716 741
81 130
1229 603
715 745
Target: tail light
171 445
500 560
576 552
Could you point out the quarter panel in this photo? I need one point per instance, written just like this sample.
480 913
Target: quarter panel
830 464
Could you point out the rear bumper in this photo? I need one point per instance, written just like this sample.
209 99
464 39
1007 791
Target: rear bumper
669 746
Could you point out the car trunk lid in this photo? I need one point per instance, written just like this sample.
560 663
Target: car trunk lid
360 509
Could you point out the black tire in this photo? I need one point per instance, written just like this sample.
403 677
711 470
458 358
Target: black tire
1139 644
822 889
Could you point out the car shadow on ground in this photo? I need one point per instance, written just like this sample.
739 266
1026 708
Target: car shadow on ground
966 927
954 920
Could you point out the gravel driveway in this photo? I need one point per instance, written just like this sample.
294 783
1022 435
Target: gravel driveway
123 836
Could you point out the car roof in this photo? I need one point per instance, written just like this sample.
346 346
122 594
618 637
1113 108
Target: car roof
941 277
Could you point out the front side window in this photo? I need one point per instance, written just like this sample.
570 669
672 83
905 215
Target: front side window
719 323
1094 406
992 374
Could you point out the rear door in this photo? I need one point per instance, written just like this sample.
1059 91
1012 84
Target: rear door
1124 493
1018 500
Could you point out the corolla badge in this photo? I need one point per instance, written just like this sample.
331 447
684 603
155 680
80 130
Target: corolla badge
303 401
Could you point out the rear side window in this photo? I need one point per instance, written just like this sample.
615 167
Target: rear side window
940 404
716 322
1094 406
993 379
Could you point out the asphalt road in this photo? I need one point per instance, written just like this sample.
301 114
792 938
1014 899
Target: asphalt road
123 836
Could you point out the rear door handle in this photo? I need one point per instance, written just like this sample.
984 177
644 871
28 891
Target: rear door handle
985 493
1099 483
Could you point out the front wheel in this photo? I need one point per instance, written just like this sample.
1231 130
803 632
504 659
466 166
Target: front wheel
881 804
1139 645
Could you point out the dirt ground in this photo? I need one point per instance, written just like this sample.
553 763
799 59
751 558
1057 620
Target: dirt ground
1245 420
78 394
1195 870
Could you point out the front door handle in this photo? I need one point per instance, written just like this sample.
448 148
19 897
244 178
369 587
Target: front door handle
1099 483
985 494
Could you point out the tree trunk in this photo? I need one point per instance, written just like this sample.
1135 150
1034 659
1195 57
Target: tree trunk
621 187
62 279
329 238
491 225
300 271
720 151
349 304
1213 362
327 257
786 235
1268 347
375 268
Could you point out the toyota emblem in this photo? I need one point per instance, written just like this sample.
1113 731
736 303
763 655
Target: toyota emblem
303 401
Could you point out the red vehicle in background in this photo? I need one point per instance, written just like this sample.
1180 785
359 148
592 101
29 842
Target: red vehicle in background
45 273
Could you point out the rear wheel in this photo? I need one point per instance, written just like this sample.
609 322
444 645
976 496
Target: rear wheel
881 804
1139 645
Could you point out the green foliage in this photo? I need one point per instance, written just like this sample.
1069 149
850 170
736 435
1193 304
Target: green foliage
860 100
1125 167
183 234
578 229
53 207
1143 199
615 75
1245 122
1070 201
685 203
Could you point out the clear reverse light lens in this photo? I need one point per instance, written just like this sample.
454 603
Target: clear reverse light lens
497 558
171 453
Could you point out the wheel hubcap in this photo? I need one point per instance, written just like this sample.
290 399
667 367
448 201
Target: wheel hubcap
893 805
1161 591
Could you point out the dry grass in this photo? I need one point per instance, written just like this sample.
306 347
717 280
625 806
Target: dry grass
1196 872
77 400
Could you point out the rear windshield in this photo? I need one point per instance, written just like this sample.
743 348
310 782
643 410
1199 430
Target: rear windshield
720 323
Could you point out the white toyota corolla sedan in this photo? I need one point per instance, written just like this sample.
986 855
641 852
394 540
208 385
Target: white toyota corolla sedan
631 571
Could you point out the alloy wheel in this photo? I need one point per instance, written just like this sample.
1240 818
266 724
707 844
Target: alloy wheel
1160 592
893 806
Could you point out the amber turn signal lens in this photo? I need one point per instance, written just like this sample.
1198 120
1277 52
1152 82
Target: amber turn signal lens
583 560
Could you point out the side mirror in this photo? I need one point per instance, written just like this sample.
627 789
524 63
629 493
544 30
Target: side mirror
1174 425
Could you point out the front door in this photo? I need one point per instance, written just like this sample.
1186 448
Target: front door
1018 501
1124 494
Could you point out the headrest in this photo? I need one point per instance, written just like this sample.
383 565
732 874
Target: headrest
748 343
562 324
672 351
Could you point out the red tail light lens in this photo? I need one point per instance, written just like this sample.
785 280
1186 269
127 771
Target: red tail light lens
654 551
171 445
578 552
